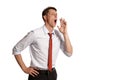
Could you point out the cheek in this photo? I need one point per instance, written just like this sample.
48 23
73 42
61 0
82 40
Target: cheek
50 19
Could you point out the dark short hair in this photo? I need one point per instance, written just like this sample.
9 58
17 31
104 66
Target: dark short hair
46 10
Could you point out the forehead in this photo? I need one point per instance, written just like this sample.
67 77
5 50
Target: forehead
52 11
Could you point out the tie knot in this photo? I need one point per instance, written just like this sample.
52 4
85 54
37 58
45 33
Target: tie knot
50 34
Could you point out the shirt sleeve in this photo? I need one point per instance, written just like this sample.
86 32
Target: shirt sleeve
62 44
62 47
23 43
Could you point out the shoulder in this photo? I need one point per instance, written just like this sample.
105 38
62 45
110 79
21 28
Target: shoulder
37 30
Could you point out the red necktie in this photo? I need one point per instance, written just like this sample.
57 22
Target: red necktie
50 52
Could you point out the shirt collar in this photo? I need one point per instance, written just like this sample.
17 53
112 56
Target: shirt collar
46 30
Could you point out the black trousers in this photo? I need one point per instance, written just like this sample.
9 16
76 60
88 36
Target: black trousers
45 75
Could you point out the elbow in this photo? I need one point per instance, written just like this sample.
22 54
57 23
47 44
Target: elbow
69 53
15 51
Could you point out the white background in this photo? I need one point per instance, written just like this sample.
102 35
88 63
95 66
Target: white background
93 27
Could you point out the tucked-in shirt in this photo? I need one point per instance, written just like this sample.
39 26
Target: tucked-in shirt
38 42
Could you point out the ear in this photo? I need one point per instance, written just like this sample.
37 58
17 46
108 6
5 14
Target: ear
45 17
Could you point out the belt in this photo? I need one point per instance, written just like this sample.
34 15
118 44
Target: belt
46 71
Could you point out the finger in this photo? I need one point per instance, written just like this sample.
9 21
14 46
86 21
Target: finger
61 21
64 21
35 71
32 74
58 27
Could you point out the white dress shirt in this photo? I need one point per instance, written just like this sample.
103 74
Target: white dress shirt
38 41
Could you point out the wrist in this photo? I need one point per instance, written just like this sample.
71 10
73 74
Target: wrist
24 68
65 33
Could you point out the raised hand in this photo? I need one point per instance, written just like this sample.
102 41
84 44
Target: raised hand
63 26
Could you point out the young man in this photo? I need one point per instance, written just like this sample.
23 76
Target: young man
44 44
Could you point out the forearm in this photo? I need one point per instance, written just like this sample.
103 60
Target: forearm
68 45
28 70
20 61
63 30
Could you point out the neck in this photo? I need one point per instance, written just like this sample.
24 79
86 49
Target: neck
50 28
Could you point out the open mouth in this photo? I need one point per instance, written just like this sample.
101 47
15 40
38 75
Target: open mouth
55 20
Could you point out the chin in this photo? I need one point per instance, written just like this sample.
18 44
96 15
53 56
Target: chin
54 25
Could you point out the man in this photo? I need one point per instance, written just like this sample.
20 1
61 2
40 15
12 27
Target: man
44 42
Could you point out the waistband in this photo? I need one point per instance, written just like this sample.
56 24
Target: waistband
46 71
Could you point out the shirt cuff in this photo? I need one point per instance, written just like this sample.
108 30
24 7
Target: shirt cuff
68 54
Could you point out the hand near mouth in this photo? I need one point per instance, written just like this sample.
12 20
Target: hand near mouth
63 26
